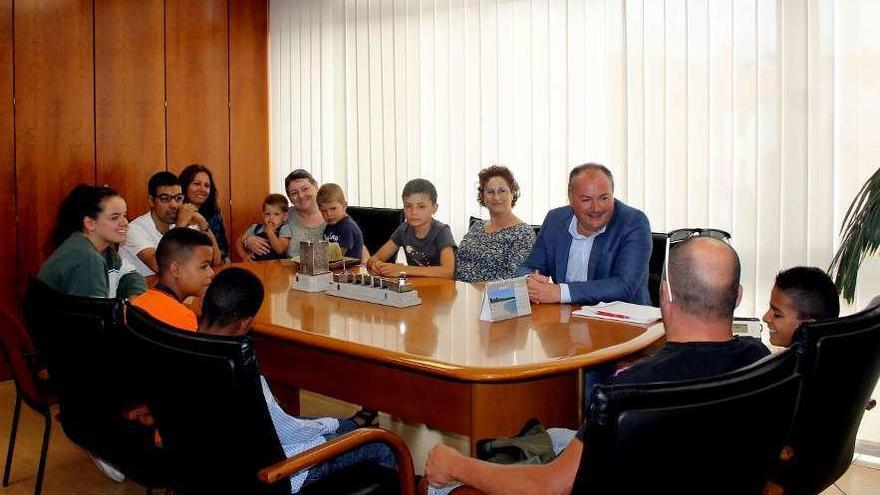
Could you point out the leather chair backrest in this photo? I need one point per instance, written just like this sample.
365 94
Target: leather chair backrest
717 435
79 338
377 224
204 393
840 363
655 266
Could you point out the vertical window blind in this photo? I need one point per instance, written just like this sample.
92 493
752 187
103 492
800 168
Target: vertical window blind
753 116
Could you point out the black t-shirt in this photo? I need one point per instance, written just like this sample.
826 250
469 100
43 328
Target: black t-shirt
348 235
679 361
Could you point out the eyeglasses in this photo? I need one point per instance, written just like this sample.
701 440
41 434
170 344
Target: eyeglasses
682 235
167 198
501 191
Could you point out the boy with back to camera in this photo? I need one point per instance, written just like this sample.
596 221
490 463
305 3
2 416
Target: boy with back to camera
229 307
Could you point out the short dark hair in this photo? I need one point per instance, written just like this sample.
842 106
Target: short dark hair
160 179
693 292
812 292
297 175
210 207
234 294
497 171
178 244
575 172
278 200
420 186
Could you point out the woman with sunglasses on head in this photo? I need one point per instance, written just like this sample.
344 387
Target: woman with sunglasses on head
199 189
91 224
493 249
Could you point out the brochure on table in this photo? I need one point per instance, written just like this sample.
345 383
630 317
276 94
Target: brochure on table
620 311
505 299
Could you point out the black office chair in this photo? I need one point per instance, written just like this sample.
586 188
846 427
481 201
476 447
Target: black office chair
535 228
25 364
655 266
79 339
377 224
718 435
840 363
207 401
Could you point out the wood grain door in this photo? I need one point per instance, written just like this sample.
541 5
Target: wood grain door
54 115
197 81
129 96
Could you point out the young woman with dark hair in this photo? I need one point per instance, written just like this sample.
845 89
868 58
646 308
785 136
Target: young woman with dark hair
90 226
197 183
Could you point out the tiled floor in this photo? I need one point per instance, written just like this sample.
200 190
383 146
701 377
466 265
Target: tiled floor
69 470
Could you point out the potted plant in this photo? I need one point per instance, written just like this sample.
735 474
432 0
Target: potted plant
860 234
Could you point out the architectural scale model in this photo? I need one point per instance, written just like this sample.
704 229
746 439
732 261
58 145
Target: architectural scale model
395 292
313 274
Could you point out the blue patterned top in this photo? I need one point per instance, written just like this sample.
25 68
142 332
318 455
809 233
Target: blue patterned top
485 256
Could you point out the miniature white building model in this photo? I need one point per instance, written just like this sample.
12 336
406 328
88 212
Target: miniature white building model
396 292
314 267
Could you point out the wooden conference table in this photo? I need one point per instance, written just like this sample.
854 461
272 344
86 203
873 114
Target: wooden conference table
435 363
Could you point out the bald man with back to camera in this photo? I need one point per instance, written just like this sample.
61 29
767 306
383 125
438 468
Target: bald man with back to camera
697 302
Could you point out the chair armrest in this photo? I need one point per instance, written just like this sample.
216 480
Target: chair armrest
341 445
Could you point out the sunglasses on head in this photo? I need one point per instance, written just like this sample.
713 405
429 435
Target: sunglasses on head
682 235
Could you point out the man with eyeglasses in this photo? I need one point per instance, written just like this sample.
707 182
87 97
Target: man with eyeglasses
167 211
595 249
697 298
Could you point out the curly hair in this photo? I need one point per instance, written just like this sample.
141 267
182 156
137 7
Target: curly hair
497 171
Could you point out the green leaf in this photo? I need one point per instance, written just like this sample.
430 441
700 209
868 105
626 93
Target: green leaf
860 237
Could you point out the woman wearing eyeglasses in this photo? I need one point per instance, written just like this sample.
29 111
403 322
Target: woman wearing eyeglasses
493 249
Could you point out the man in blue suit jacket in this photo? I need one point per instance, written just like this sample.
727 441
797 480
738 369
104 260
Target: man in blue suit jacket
596 249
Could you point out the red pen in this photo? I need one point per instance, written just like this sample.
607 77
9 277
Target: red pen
612 315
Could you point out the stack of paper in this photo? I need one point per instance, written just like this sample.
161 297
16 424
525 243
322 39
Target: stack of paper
620 311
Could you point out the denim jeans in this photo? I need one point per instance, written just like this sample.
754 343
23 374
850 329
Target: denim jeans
376 453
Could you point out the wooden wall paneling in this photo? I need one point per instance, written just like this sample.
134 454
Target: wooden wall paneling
197 89
249 111
8 248
54 115
129 97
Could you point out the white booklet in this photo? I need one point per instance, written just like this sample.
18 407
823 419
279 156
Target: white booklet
620 311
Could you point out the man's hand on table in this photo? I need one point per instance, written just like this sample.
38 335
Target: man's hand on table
542 290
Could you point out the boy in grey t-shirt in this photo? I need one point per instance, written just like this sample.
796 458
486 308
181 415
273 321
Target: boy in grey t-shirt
427 243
